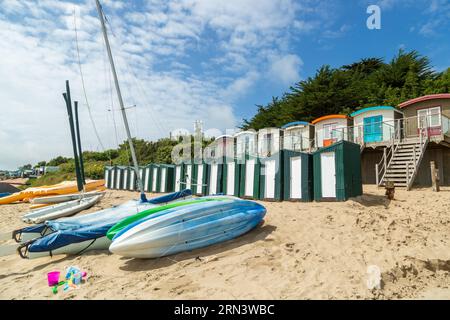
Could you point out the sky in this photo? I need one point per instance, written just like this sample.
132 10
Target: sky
181 61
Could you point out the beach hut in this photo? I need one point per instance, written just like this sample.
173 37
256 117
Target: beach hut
231 177
271 178
375 124
337 172
216 155
188 176
109 172
113 177
214 178
270 162
230 167
249 178
166 178
246 145
147 178
298 176
330 129
269 142
201 179
298 136
247 163
141 176
119 177
132 181
155 177
178 177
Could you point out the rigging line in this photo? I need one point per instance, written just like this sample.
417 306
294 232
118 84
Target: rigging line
105 78
83 84
160 125
111 99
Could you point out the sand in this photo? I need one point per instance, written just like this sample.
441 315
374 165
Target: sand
302 251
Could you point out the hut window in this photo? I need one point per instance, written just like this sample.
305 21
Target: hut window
329 130
430 117
268 142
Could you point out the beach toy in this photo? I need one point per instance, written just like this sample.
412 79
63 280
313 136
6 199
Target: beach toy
53 278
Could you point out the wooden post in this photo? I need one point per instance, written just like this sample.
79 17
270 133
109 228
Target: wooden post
434 176
376 174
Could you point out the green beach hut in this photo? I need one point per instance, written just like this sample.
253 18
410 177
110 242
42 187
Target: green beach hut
166 178
201 179
337 172
298 176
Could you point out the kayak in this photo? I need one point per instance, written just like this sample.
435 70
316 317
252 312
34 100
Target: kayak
187 229
69 236
66 187
65 197
106 216
61 210
5 194
74 241
173 207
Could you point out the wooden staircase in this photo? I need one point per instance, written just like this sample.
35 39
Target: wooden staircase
401 162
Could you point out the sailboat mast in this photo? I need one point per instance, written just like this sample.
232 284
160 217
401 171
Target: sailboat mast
119 95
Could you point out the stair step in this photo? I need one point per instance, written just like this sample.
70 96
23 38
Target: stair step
399 170
408 147
404 155
401 176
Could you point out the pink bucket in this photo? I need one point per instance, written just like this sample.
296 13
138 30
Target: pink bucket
53 278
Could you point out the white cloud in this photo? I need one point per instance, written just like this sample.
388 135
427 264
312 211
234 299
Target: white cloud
286 69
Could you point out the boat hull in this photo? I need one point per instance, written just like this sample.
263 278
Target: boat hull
183 230
60 210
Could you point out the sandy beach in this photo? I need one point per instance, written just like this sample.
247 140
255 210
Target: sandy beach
302 251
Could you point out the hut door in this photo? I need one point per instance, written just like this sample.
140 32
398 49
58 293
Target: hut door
125 180
230 178
249 177
147 173
107 178
132 179
112 177
199 178
163 179
177 178
327 163
213 180
373 129
118 178
155 177
188 176
270 179
296 178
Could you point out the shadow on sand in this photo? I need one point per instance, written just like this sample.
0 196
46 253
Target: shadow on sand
373 200
255 235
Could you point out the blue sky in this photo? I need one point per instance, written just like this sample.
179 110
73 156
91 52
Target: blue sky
181 61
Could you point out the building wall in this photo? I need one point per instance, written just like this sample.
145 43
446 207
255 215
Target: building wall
441 156
369 159
388 125
341 123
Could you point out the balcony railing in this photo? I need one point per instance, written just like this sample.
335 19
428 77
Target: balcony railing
400 129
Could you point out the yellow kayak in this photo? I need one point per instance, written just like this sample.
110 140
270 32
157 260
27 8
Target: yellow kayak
65 187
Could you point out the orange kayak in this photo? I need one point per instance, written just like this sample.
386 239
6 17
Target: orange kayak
65 187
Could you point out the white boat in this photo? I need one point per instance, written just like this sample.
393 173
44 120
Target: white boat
65 197
60 210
